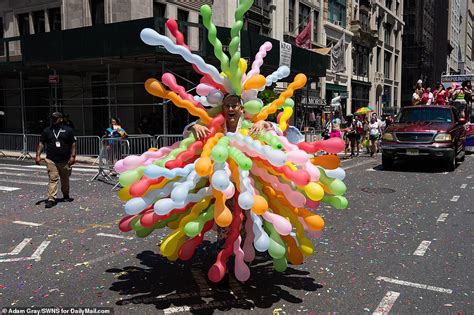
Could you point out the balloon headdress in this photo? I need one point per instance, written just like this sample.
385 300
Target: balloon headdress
261 189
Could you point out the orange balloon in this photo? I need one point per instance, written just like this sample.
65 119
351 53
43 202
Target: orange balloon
203 166
154 87
298 83
153 149
313 221
260 205
257 81
294 254
329 162
222 214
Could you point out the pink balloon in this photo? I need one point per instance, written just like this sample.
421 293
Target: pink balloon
299 157
279 116
133 161
204 89
229 191
258 62
311 204
241 270
170 81
281 225
119 167
313 171
249 251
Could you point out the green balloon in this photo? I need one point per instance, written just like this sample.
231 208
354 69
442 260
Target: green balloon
338 202
144 232
206 13
289 103
135 224
280 265
246 124
219 153
253 107
336 186
276 248
127 178
243 161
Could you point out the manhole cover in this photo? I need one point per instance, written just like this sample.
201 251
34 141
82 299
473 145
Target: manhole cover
374 190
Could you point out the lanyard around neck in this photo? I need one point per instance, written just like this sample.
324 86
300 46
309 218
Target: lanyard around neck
59 132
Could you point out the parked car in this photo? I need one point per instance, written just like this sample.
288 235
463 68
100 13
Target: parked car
425 132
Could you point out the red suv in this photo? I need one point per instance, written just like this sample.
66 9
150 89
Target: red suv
425 131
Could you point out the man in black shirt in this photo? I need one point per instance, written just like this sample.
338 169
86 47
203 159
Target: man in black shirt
60 146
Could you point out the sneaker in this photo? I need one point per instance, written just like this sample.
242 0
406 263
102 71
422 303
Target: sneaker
68 199
50 203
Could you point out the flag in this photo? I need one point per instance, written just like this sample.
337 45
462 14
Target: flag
338 56
303 40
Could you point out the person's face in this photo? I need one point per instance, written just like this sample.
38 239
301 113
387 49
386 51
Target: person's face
113 122
57 120
232 110
372 120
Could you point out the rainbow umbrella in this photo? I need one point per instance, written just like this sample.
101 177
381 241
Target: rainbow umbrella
363 110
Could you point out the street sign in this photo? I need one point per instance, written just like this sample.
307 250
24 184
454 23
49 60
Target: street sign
53 79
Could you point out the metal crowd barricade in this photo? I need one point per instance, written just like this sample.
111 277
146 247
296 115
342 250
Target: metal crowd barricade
167 140
89 146
140 143
12 142
31 143
111 150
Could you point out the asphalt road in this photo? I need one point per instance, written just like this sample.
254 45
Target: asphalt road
403 246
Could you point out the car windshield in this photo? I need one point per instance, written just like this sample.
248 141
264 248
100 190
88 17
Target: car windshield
410 115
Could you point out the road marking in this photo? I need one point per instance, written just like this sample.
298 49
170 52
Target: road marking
5 188
463 186
442 217
35 175
98 259
18 248
470 176
28 223
370 170
177 309
387 303
23 182
414 285
421 250
90 170
36 255
455 198
358 164
115 236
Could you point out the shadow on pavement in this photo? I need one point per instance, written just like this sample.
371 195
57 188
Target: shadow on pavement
184 285
416 166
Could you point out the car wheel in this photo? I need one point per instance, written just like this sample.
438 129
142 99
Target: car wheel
451 164
387 162
463 156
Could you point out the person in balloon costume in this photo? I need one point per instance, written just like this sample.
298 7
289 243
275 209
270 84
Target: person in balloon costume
233 171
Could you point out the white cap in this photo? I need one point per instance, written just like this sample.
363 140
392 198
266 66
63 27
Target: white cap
419 81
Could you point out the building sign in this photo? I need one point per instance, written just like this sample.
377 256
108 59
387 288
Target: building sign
285 54
446 80
313 101
53 78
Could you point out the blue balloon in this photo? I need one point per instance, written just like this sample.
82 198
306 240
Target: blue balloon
220 180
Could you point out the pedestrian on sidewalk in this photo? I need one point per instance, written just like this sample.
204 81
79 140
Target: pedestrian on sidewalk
374 135
360 133
60 145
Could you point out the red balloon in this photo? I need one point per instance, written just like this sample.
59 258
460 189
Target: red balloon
124 224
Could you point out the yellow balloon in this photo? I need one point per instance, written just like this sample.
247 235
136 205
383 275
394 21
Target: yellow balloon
256 81
124 194
243 65
314 191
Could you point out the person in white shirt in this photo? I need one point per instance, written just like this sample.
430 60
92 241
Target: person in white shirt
430 97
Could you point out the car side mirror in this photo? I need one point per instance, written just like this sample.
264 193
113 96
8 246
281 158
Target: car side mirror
462 121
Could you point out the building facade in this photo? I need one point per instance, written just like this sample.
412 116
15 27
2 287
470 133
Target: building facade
465 41
454 37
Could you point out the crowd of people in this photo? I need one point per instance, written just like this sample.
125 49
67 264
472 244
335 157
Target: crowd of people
358 131
457 95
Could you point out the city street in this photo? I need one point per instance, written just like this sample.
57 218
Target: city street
403 246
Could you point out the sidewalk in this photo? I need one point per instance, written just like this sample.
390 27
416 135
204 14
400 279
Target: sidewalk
91 161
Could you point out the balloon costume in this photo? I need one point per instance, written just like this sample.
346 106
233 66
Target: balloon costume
271 186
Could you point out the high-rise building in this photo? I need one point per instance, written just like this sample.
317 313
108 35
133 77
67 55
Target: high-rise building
465 40
425 44
454 37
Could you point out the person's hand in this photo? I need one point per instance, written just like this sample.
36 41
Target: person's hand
259 126
38 160
71 161
200 132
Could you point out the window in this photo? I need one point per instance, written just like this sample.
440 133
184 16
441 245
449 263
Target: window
97 12
304 16
254 28
315 25
54 19
386 65
388 33
159 9
2 45
337 12
379 53
291 16
396 68
24 24
397 10
388 4
183 17
39 22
